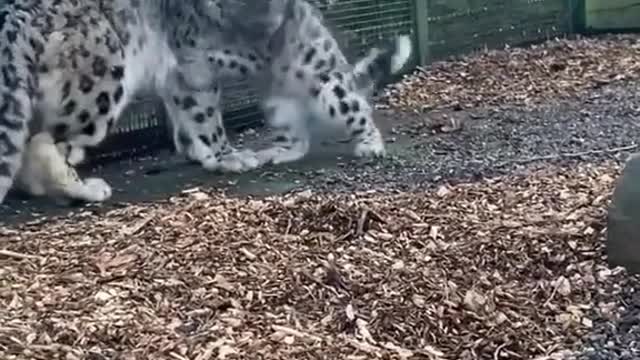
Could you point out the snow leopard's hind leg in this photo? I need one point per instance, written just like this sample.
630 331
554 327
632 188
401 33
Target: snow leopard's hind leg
20 47
345 98
46 172
198 130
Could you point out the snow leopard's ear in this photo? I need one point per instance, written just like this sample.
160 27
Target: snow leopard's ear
220 11
289 10
279 38
212 8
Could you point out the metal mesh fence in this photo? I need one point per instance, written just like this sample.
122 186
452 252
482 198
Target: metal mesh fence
441 27
362 23
142 127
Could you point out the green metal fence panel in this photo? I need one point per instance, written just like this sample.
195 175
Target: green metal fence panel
462 26
612 15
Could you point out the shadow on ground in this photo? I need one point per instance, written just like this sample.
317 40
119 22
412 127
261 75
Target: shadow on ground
425 150
163 174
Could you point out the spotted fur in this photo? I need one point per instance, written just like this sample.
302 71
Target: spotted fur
307 80
69 67
201 134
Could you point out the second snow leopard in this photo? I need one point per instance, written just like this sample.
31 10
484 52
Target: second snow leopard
69 67
307 79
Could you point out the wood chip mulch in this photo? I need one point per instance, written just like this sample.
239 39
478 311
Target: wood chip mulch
555 70
502 269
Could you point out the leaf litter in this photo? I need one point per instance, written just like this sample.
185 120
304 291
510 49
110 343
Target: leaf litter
504 268
559 69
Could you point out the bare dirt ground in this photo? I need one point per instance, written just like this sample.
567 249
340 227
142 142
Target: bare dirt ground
426 149
481 236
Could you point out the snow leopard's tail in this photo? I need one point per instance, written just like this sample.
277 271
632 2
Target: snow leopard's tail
383 62
17 63
379 66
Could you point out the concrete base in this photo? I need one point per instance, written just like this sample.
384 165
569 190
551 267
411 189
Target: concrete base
623 233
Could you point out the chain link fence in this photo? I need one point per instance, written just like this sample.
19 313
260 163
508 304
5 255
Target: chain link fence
440 28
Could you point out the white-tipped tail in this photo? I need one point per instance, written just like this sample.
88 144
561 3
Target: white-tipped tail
383 62
402 54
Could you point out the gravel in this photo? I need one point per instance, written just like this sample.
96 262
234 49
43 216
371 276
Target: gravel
616 337
501 140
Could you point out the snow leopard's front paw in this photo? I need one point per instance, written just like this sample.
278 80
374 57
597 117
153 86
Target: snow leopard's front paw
239 161
96 190
372 147
236 161
280 155
293 148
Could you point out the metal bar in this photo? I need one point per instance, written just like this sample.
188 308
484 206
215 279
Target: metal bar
578 16
421 13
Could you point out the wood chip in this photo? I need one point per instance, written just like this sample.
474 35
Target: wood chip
455 274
